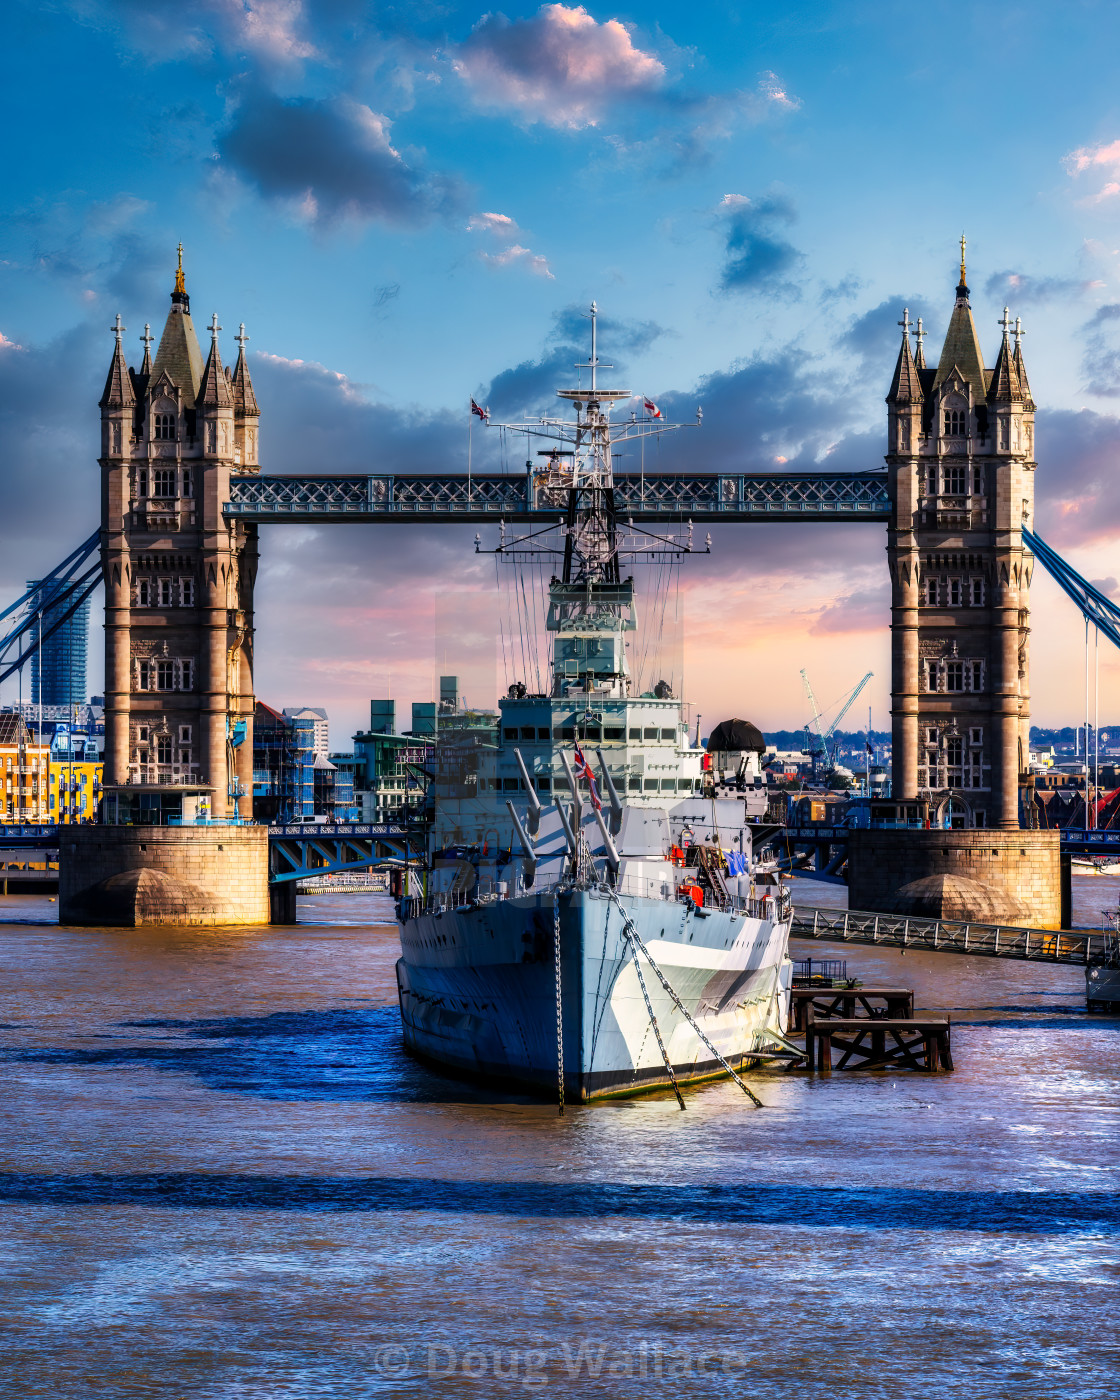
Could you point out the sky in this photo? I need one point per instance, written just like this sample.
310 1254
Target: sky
411 204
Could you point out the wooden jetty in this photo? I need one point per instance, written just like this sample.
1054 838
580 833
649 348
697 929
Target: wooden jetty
868 1028
875 1003
863 1042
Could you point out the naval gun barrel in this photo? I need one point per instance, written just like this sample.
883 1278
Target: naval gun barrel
577 801
568 832
609 848
528 854
534 800
612 794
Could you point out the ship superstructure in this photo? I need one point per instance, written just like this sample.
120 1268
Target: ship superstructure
591 695
627 936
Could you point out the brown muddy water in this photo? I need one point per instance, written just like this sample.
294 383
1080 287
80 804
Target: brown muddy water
221 1177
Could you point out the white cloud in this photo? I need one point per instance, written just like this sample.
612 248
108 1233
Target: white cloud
772 92
269 30
501 228
517 256
6 344
561 66
1103 159
500 225
269 27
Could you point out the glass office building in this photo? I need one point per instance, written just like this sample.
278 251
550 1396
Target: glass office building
61 668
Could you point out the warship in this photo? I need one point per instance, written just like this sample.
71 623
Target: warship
631 938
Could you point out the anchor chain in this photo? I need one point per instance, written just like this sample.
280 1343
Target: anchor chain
559 999
653 1023
631 933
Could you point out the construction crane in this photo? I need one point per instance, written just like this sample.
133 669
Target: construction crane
819 752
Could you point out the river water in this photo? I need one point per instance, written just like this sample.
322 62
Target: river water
221 1177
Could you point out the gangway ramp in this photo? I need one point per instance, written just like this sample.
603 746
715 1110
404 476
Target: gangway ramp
1081 947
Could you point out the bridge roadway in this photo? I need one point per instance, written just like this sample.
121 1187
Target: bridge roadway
704 498
1076 840
296 851
936 936
354 845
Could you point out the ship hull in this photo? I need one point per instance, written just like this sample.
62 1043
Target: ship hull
477 990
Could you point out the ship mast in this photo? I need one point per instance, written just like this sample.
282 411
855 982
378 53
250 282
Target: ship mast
591 604
591 534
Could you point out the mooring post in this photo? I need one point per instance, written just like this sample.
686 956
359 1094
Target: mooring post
879 1046
945 1046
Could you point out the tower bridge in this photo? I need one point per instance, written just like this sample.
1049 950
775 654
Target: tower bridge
183 496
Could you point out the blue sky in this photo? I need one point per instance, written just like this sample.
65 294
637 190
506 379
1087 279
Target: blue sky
409 204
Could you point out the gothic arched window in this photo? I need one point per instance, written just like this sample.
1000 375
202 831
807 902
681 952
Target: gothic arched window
954 422
164 427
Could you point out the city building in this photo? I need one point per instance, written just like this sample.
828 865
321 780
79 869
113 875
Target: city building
292 781
283 758
391 770
45 721
76 776
24 772
320 727
58 673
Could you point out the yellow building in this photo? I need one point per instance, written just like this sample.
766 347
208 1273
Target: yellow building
75 790
24 774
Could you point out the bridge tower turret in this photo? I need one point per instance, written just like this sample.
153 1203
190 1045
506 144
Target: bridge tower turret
179 578
961 471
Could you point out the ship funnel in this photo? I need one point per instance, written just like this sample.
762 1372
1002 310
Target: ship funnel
528 854
612 794
609 849
534 800
577 801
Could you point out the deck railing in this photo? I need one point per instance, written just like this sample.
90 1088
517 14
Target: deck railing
775 906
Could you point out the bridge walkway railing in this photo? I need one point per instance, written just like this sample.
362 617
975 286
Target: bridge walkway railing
1082 946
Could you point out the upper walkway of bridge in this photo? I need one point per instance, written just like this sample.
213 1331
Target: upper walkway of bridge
705 498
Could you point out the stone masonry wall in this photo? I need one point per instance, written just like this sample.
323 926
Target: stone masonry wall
1023 863
230 863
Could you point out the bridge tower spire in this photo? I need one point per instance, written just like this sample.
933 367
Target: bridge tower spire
179 577
961 470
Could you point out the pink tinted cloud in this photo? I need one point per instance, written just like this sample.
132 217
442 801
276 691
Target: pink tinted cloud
500 225
561 66
1103 158
501 228
517 256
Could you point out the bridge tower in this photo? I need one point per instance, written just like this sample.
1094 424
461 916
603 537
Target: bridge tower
961 468
178 577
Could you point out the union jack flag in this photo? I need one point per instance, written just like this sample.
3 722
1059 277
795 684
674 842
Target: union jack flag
483 413
583 770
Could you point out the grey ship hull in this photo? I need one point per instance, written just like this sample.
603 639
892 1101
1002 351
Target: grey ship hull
478 994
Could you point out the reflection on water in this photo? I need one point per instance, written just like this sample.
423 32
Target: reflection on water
220 1176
